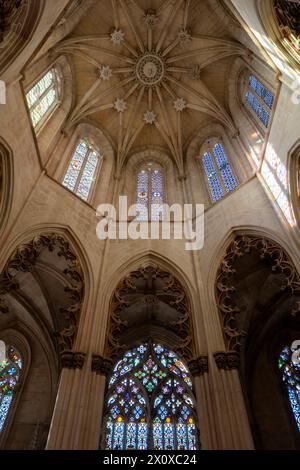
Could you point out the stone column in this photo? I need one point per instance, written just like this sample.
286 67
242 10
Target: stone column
199 369
67 401
101 367
228 364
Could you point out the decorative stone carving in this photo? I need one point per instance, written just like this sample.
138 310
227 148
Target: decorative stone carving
120 105
184 36
101 365
117 37
9 10
72 360
151 19
278 261
150 117
288 16
150 69
198 366
227 360
105 72
24 259
170 292
180 104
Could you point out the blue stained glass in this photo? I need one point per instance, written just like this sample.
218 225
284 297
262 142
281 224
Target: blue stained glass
181 430
169 436
150 393
229 179
10 369
131 436
212 177
118 437
258 108
142 201
142 436
192 436
291 378
261 91
157 430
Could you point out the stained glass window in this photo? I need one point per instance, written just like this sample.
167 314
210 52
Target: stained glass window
10 369
290 370
150 193
150 402
259 99
218 171
82 170
43 96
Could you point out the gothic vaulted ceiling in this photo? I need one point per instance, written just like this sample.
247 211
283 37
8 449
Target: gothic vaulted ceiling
151 73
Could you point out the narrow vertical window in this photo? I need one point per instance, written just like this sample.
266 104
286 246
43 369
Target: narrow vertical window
218 171
150 193
259 99
290 370
10 370
81 172
42 98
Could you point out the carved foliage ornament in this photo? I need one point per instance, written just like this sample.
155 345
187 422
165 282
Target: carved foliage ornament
171 293
288 16
24 259
9 9
279 262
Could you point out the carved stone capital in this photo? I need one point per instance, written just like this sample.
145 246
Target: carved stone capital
198 366
72 360
101 365
227 360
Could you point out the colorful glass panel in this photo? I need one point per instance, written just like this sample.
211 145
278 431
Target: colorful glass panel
150 194
150 394
260 100
290 371
10 369
82 169
213 179
42 97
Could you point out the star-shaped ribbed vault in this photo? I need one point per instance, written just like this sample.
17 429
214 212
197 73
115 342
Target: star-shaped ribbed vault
149 72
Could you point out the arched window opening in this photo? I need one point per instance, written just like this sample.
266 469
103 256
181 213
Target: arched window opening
150 402
289 365
10 370
218 171
259 99
150 193
82 170
288 17
44 96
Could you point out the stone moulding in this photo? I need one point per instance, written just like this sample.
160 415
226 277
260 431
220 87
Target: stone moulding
278 261
24 259
177 299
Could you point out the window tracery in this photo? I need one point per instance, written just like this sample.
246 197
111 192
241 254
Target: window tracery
10 371
150 403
